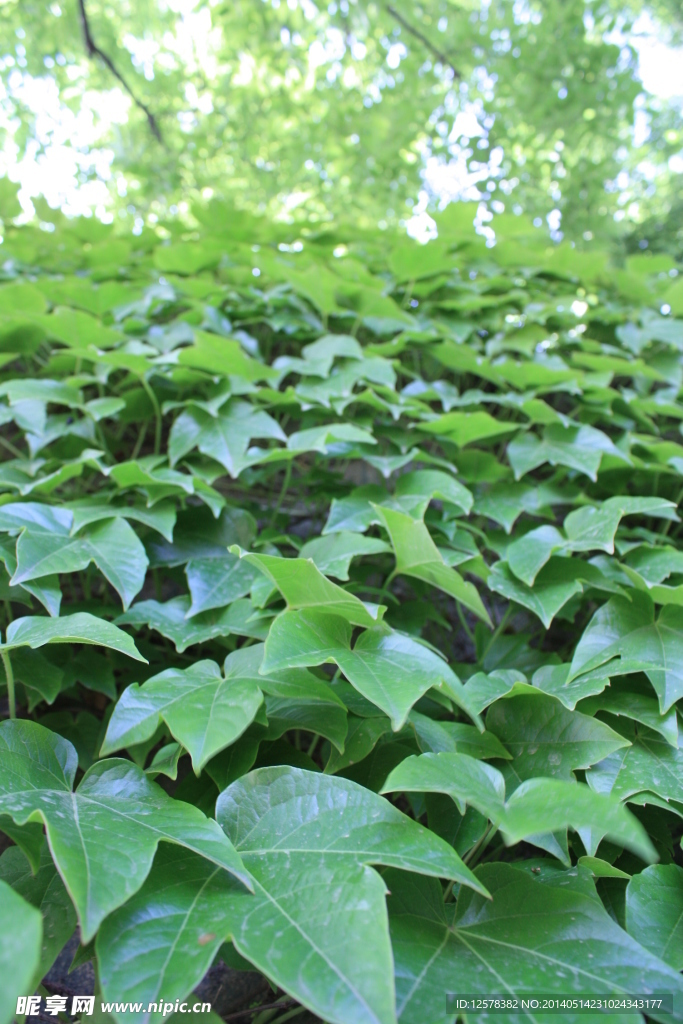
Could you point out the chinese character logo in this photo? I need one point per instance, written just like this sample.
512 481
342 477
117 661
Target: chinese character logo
83 1004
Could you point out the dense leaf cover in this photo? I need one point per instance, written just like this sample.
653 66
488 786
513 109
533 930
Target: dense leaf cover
343 596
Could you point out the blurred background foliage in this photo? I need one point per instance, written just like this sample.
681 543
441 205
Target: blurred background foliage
363 112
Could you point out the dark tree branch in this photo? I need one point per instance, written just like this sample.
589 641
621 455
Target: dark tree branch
440 56
93 50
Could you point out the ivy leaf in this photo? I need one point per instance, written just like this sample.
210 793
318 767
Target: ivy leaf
172 928
303 586
628 630
540 916
114 798
637 706
328 829
20 939
650 763
531 552
217 582
170 618
463 428
45 891
82 628
361 739
433 483
546 739
216 354
541 805
112 545
390 669
536 808
200 535
203 710
594 527
434 736
333 554
224 436
580 448
654 912
28 838
587 529
557 582
161 517
417 555
466 779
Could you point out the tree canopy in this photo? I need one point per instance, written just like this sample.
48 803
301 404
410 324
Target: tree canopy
348 110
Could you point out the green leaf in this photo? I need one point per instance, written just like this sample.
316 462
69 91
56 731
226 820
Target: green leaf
112 545
650 763
464 428
28 838
637 706
333 554
223 356
44 890
318 928
172 929
20 940
326 831
217 582
417 555
303 586
36 631
543 926
580 448
466 779
540 806
628 630
456 737
162 517
536 808
361 739
390 669
531 552
170 618
546 739
556 584
224 436
432 483
654 912
114 800
203 710
594 527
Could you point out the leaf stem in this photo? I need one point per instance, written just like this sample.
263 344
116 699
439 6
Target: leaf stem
384 592
11 448
287 1016
157 414
9 676
499 628
489 832
138 444
283 491
463 623
313 744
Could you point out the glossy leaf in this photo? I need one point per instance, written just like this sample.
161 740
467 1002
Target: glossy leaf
417 555
654 912
391 670
113 797
539 919
20 939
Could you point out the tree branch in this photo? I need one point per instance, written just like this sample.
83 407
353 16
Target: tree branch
440 56
93 50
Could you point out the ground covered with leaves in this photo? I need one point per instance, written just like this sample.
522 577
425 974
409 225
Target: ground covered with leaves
343 619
